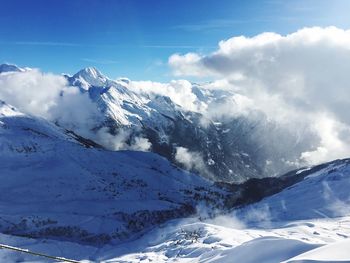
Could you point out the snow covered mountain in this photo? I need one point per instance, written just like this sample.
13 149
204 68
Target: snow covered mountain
224 149
66 195
56 184
199 137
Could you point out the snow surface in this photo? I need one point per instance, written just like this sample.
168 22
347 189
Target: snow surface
189 240
323 194
52 179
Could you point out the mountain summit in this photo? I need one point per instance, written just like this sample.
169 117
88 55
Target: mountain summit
89 77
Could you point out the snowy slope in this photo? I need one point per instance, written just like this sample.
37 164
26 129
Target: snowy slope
188 240
322 194
296 225
336 252
59 185
306 222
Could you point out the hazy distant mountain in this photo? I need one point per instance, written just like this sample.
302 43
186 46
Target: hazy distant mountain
10 68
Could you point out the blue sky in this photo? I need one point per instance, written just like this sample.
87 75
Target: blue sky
134 38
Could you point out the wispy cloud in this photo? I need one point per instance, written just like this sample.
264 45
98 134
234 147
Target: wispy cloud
38 43
100 61
218 24
211 25
176 46
155 64
67 44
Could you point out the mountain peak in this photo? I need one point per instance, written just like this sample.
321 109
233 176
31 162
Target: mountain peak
90 76
90 72
10 68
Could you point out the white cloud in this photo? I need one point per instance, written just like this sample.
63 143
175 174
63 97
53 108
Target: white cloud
49 96
192 161
179 91
32 91
299 80
187 63
335 140
114 142
140 144
122 140
232 106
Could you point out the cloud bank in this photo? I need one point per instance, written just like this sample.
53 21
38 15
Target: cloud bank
301 80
